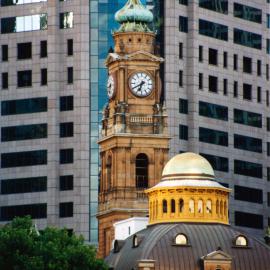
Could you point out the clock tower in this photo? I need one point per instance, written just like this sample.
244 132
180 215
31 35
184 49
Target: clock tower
134 139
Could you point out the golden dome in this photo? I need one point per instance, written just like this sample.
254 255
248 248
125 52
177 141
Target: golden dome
187 166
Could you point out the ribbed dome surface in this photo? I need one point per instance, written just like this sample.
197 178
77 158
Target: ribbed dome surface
187 165
134 11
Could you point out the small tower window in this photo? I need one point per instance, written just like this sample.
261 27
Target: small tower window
141 171
172 206
221 208
109 172
164 206
217 207
241 241
191 206
181 239
135 241
209 207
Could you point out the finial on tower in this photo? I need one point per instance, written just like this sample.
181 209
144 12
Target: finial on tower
134 17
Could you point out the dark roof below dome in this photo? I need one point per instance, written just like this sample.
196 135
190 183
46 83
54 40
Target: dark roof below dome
156 243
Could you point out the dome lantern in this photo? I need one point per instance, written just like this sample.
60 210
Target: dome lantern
188 192
134 17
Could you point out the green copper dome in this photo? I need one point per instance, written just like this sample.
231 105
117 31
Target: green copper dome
134 11
134 16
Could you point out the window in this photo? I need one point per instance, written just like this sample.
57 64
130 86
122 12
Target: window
191 206
43 76
247 39
259 67
247 13
268 173
213 111
66 129
24 78
268 21
225 87
172 206
24 23
135 242
70 75
213 30
225 59
220 6
268 46
66 20
66 182
259 94
267 98
200 81
235 62
268 199
22 106
200 53
141 171
183 2
218 163
180 50
24 50
213 84
181 239
209 207
66 103
23 132
247 118
247 91
247 143
213 57
268 148
24 185
267 71
70 47
248 220
235 89
248 168
164 206
181 206
4 53
21 2
5 80
109 172
248 194
200 206
183 24
36 211
183 132
21 159
183 106
213 136
241 241
268 123
66 209
43 49
181 78
66 156
247 64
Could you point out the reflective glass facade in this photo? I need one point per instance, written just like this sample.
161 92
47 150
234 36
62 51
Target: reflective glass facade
101 25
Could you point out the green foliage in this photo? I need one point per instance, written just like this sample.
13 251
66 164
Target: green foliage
22 247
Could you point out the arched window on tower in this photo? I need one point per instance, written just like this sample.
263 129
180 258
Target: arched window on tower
164 206
181 205
141 171
109 172
217 207
172 206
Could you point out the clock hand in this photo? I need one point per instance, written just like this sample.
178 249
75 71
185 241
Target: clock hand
141 85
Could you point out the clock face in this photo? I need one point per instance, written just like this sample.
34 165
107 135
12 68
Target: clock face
141 84
110 86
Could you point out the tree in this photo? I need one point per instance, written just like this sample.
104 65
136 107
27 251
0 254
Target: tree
22 247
